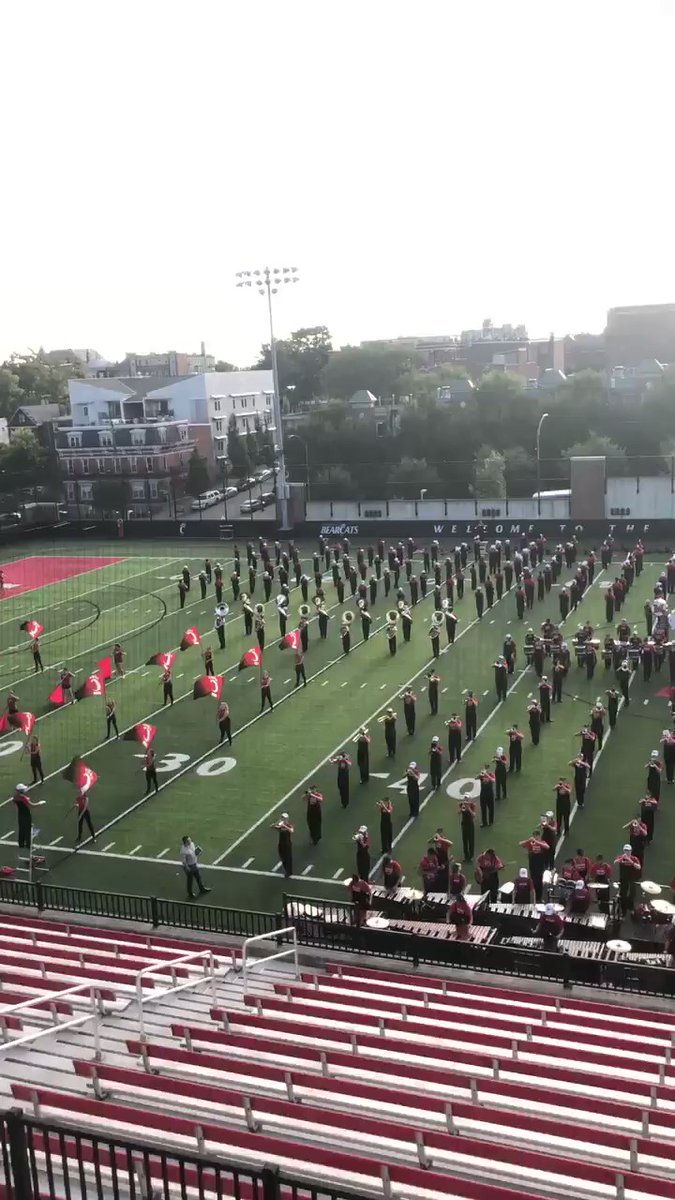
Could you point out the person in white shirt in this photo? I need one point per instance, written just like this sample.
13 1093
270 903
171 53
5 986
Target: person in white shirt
189 858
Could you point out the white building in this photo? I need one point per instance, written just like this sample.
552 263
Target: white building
205 401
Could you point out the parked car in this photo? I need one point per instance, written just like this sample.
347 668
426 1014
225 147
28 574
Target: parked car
267 498
266 473
229 492
251 506
247 483
206 500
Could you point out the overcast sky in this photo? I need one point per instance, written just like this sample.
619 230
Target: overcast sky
424 166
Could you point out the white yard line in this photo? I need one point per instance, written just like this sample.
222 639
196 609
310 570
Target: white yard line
247 863
135 850
163 852
109 847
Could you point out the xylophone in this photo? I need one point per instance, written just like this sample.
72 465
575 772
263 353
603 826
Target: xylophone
479 935
586 949
520 919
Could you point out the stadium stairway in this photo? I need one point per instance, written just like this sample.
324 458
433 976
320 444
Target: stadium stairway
385 1083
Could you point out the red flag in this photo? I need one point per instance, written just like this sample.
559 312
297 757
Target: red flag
23 721
291 641
57 696
104 669
142 733
92 686
208 685
165 659
252 658
32 628
4 723
191 637
80 774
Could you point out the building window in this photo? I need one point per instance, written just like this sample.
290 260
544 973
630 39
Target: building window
219 426
244 402
74 441
86 491
85 466
100 465
149 466
138 491
133 463
70 466
70 491
118 466
153 489
216 405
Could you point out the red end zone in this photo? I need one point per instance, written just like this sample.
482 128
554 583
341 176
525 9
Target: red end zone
27 574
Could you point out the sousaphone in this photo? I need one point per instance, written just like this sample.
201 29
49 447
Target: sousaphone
392 616
282 602
222 610
438 618
348 617
304 611
259 610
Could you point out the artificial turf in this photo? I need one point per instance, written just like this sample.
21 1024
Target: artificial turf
230 808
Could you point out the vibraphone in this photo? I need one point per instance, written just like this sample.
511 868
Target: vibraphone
408 902
521 919
479 935
587 949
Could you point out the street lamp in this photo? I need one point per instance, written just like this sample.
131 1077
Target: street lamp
538 447
296 437
268 281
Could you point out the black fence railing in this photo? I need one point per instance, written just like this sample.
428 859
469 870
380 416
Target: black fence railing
329 926
48 1160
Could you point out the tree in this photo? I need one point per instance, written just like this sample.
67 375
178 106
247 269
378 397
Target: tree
410 476
236 449
520 471
489 481
40 380
377 368
334 483
197 480
11 392
112 495
598 444
300 360
224 366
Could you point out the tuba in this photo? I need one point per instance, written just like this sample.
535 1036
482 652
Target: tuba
222 610
259 609
348 617
304 611
392 616
438 618
282 602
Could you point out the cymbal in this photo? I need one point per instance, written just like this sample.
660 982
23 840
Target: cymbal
619 946
651 888
377 923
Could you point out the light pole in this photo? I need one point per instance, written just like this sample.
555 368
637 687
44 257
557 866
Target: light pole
541 422
268 281
296 437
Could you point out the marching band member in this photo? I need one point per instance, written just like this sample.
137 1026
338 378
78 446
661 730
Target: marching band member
391 873
460 914
266 690
470 716
428 869
550 927
509 653
434 680
150 768
582 865
362 840
299 664
456 881
563 792
654 769
110 717
598 721
66 681
219 626
500 772
362 740
623 675
487 796
451 621
588 740
638 834
515 736
285 829
406 623
389 721
207 656
360 893
581 773
630 870
537 856
313 801
345 635
435 762
454 728
435 635
303 628
386 825
247 610
343 763
534 717
412 779
549 833
260 627
501 672
409 701
35 756
487 872
545 691
668 743
234 584
523 888
224 722
391 637
366 621
167 686
467 820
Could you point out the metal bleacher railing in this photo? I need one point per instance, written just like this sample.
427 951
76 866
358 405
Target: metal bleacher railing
47 1159
328 925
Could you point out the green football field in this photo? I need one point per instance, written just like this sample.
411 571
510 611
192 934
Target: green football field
228 798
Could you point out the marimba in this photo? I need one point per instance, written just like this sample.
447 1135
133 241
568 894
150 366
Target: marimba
521 919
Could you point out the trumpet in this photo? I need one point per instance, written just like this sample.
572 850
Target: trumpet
392 616
438 618
259 609
347 617
304 610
